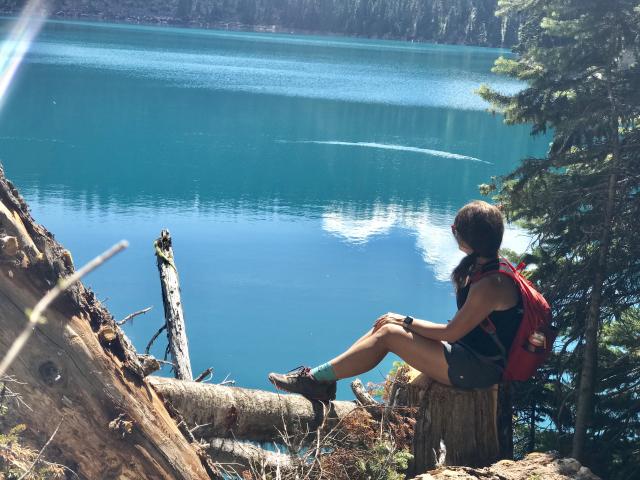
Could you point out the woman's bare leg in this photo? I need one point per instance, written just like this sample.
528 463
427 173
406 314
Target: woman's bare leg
421 353
362 338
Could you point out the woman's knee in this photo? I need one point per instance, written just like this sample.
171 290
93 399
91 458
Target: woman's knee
388 332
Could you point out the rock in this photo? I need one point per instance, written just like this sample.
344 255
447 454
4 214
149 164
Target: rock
567 466
537 465
586 474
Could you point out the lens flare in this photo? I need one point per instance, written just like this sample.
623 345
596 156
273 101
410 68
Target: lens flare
18 41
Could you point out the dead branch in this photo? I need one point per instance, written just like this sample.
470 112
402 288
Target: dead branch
205 376
153 339
362 395
131 316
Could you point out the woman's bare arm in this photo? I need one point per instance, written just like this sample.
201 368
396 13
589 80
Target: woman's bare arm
485 296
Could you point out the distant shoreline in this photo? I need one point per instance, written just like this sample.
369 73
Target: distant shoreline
158 21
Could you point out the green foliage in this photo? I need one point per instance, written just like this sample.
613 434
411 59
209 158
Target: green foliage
580 62
381 390
12 436
384 462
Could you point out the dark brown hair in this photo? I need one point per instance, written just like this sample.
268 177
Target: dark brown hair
480 226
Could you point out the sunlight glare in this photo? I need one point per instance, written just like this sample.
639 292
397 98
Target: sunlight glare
18 41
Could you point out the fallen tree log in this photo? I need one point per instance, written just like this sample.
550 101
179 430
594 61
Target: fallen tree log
113 424
236 457
233 412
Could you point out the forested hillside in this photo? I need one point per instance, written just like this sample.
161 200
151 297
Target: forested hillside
443 21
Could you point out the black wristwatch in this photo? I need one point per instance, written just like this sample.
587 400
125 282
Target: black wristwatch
407 321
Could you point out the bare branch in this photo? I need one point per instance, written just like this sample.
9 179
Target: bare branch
361 393
133 315
153 339
205 376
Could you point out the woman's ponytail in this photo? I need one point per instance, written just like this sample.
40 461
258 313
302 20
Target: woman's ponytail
463 270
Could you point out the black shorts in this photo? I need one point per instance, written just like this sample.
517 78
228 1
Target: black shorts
468 370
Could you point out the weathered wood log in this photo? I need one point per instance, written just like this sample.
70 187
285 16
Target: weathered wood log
66 371
362 395
246 414
236 457
9 246
13 225
173 314
464 420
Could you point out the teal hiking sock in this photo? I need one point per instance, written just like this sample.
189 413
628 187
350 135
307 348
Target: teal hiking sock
324 373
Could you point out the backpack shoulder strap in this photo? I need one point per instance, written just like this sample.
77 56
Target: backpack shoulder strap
504 268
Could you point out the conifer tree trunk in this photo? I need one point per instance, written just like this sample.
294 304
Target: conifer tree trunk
590 354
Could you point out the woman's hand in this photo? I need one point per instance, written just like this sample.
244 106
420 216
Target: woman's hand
388 318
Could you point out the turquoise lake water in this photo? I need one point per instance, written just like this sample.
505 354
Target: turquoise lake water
308 182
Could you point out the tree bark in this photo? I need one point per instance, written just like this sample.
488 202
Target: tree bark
465 421
246 414
113 426
174 317
505 420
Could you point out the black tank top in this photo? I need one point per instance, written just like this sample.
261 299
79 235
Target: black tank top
506 322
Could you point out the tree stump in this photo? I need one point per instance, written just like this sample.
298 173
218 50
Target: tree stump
463 420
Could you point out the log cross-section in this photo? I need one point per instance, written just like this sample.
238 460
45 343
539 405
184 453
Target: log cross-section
174 316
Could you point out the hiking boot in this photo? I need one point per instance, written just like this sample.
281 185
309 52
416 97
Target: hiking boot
299 380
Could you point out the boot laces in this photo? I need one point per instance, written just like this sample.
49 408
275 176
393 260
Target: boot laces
301 371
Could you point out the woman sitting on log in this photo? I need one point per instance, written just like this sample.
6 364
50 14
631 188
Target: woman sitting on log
459 353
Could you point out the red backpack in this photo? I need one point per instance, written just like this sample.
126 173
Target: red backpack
534 339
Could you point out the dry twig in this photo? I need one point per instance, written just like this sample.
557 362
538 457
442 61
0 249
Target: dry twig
153 339
205 376
133 315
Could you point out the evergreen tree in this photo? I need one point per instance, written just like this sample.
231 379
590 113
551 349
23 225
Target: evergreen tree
581 62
